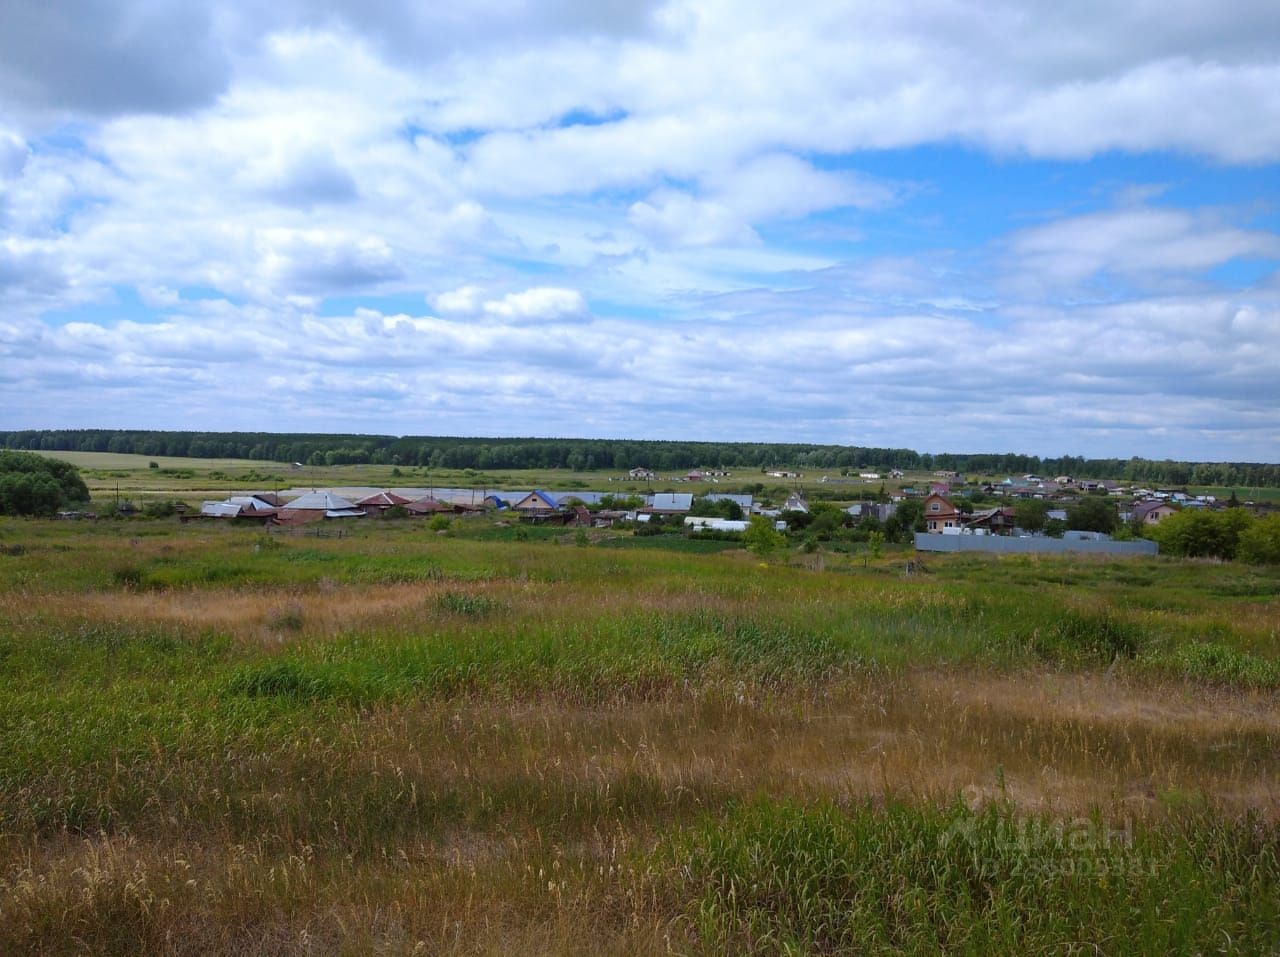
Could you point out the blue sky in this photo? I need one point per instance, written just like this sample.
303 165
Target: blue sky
946 225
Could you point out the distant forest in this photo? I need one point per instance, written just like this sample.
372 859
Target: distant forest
486 454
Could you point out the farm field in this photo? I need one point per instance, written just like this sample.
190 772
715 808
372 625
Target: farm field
488 740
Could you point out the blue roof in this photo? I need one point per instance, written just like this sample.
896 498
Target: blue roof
546 497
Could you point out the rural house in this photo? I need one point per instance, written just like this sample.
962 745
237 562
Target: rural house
940 514
1153 512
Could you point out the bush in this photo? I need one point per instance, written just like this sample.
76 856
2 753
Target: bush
761 537
1194 533
1259 543
33 485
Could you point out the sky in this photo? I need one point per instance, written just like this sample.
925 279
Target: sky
945 225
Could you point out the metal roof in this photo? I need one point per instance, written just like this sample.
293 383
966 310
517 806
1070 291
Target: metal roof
321 501
545 497
744 501
672 501
387 499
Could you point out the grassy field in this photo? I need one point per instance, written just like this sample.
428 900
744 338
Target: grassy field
398 741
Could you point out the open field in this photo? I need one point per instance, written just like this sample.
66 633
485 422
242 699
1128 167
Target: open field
128 462
397 741
194 479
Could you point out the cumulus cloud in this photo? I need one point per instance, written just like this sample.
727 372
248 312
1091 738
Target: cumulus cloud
538 304
658 201
1102 372
314 260
1140 242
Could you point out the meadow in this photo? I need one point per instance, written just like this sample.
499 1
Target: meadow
397 741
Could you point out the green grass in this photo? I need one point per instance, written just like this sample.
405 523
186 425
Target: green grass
629 747
777 878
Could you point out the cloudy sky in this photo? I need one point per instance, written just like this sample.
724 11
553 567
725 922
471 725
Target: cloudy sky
941 224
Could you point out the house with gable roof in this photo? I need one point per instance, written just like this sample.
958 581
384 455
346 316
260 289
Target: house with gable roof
1152 512
381 502
317 506
537 503
670 503
939 514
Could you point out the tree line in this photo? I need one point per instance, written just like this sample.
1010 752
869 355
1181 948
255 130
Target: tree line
484 454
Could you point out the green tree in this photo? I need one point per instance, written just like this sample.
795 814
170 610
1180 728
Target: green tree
875 547
34 485
1092 515
1259 543
761 537
1196 533
908 517
1030 514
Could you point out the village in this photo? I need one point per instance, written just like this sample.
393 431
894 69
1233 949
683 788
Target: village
942 503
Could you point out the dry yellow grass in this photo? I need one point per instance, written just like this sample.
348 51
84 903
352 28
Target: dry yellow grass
161 801
536 882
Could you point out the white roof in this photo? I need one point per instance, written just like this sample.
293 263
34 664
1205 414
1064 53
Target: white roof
327 501
249 501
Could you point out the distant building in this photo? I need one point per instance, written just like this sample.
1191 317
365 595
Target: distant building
795 503
939 514
537 502
317 506
743 502
670 503
379 503
1153 512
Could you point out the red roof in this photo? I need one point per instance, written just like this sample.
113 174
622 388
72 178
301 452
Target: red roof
424 506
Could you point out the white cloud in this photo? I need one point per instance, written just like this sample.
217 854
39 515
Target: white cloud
538 304
672 218
643 158
13 154
1139 242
